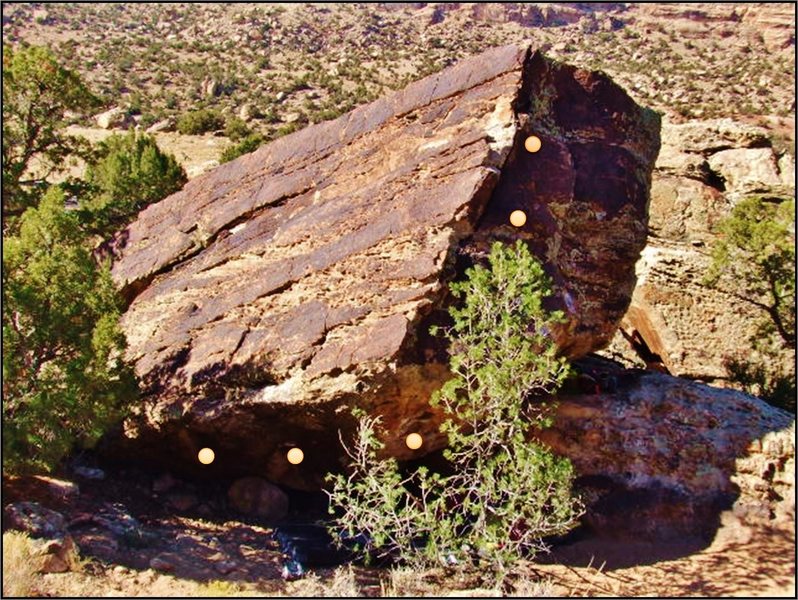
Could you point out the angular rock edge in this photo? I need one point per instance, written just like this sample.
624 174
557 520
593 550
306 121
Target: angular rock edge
279 289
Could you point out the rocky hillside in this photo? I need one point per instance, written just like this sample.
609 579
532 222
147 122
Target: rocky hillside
282 66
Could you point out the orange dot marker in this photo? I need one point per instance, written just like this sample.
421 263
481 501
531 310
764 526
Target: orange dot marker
532 143
414 441
518 218
206 456
295 456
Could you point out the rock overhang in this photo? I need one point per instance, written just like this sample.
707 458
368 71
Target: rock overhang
271 294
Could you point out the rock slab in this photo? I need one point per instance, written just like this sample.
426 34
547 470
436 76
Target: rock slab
663 457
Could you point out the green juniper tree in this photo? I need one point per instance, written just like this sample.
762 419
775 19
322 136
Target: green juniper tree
38 94
506 493
754 260
64 380
130 173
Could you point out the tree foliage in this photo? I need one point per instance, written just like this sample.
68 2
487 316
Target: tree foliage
506 494
754 259
64 379
63 376
38 95
248 144
130 173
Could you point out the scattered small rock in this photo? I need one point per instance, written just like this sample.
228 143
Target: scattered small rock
34 519
90 473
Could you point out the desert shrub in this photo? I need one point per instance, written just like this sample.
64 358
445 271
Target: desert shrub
754 259
287 129
64 381
506 494
236 129
249 144
200 121
765 378
130 173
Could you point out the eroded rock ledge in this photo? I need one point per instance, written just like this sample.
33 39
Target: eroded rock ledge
275 291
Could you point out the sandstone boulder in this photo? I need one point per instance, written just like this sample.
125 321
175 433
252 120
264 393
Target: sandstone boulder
34 519
167 124
713 135
663 457
685 209
257 497
274 292
747 169
115 118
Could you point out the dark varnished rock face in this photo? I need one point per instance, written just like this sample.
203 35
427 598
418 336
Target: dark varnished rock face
277 290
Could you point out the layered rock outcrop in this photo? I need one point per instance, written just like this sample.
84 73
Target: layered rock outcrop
704 169
661 456
275 291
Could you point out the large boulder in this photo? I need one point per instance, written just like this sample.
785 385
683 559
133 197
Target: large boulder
277 290
257 497
662 457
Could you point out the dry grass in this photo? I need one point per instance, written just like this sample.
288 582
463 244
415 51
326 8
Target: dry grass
342 584
19 562
526 587
216 589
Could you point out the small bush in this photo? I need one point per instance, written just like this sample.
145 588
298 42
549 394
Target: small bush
236 129
506 494
249 144
200 121
764 379
130 173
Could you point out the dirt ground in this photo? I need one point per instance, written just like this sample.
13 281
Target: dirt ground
762 567
225 555
741 561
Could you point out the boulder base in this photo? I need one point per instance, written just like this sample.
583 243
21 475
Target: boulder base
663 457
